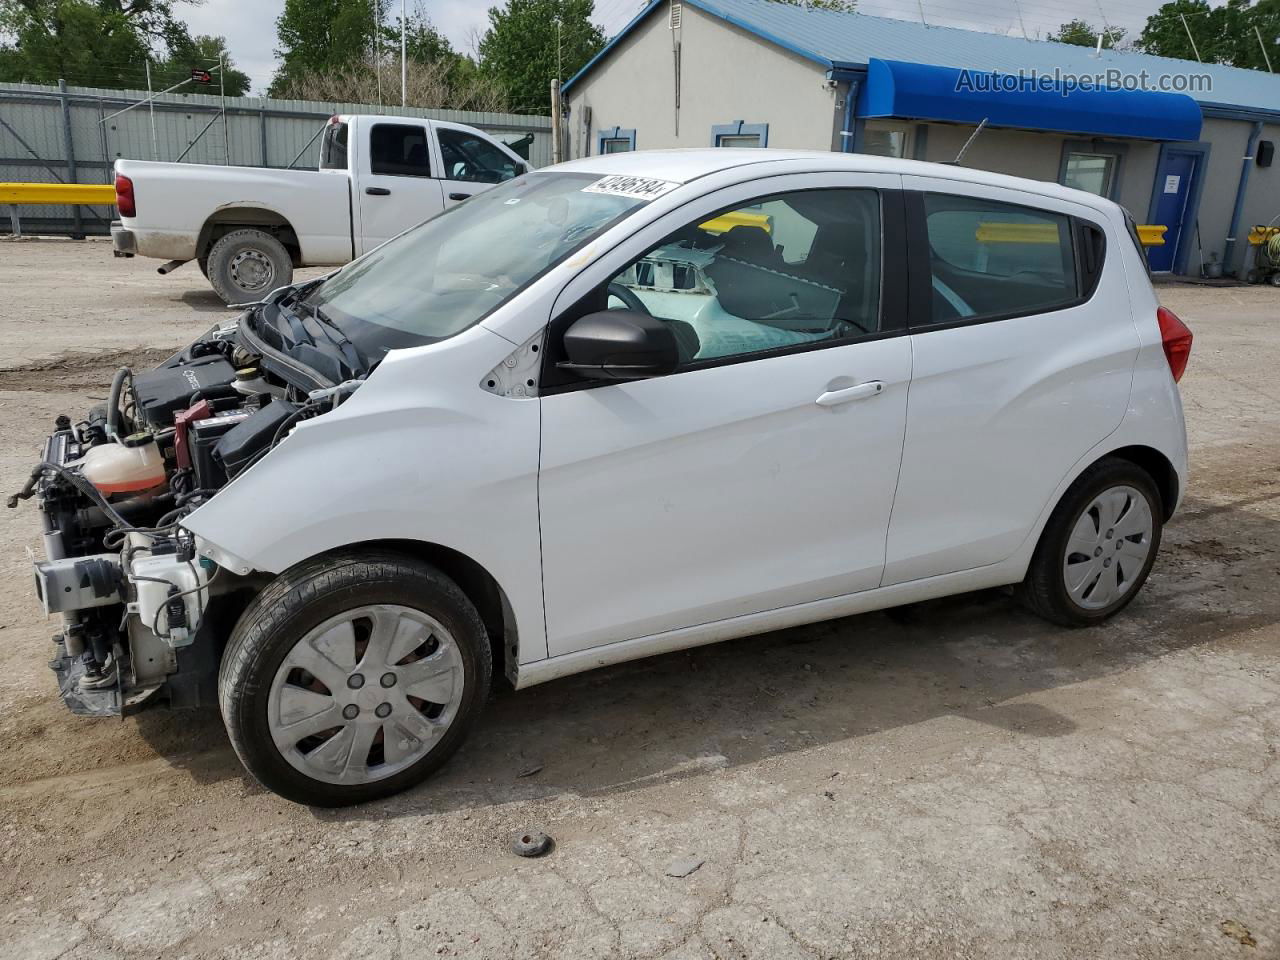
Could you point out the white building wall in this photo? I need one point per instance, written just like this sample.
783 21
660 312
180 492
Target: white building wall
727 75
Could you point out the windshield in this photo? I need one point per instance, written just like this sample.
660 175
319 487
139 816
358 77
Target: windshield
446 274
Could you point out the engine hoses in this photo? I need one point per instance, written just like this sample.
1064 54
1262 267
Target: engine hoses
114 398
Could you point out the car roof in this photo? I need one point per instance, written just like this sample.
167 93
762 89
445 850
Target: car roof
685 165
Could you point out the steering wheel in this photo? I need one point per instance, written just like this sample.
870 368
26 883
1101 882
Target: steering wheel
628 297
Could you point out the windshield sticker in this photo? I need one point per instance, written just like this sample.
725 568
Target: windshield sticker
640 188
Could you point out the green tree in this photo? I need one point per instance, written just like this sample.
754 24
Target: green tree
1165 35
530 42
1081 33
322 36
82 41
1226 34
201 52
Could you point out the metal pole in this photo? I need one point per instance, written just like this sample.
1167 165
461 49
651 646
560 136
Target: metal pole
404 63
555 121
1183 17
152 107
1265 56
15 225
69 151
222 89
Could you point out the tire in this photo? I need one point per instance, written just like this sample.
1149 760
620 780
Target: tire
245 265
1092 520
263 692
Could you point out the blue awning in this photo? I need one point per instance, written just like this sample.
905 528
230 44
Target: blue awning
1032 102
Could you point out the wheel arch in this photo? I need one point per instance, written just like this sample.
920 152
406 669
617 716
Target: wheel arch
1157 466
480 587
238 216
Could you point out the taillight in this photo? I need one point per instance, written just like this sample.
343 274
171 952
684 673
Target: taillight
124 197
1175 337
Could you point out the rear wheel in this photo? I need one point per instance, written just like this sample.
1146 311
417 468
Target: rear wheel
353 677
245 265
1098 546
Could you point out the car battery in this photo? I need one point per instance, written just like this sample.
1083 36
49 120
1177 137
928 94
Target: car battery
202 436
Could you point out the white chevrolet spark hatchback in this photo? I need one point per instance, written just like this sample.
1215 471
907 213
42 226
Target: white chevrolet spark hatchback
614 408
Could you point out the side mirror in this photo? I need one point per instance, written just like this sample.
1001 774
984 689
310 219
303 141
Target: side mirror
620 345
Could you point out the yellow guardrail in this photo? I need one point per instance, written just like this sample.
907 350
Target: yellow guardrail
57 193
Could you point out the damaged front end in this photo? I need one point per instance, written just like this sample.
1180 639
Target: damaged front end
145 610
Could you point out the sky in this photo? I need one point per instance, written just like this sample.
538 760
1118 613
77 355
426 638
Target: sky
249 25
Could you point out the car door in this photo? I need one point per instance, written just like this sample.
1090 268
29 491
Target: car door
1023 362
395 189
469 163
761 474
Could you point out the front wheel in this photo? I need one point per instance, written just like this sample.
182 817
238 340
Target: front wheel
353 677
245 265
1098 546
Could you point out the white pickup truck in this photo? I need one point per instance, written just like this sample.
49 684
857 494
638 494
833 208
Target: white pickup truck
249 227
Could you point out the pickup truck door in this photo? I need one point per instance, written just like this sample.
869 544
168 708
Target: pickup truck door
469 163
394 189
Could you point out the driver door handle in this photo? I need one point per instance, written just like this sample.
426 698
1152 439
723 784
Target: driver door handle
377 191
459 196
862 391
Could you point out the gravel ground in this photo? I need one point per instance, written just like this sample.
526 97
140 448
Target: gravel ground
953 780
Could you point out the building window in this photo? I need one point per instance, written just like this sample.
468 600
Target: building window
1091 172
740 134
616 140
1094 166
886 140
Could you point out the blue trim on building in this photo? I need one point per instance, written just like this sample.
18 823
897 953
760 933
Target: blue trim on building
917 91
1191 214
615 133
740 129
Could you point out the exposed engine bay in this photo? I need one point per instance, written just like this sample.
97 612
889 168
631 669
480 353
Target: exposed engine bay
143 612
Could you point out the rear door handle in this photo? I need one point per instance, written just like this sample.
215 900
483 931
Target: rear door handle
459 196
834 398
377 191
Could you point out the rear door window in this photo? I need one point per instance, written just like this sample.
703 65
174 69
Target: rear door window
398 150
989 259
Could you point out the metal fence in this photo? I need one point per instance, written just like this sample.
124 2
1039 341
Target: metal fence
69 135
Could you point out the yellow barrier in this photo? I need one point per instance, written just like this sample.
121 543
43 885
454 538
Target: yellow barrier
57 193
1152 234
737 218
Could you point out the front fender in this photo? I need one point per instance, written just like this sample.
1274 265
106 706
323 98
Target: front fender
419 452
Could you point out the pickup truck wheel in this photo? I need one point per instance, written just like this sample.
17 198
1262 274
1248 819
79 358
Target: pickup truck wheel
245 265
352 677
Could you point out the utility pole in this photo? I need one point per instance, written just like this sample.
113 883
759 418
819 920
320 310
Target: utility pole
555 121
152 108
1194 49
377 48
222 90
1265 56
404 63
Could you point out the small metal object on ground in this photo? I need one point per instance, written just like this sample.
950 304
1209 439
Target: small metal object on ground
682 868
530 844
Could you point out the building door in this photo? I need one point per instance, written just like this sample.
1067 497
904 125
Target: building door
1174 180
